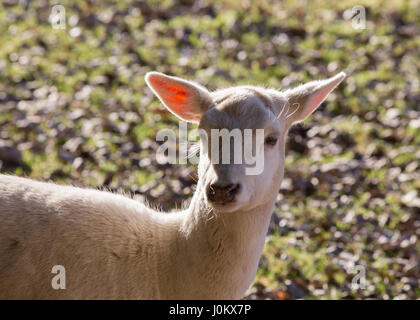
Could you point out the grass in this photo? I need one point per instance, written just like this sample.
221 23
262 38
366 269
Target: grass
74 102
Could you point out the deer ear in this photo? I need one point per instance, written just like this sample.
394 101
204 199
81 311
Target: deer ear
304 99
185 99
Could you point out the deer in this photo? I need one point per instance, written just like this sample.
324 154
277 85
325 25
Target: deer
112 246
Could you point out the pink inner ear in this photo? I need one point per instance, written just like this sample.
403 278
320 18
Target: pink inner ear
315 101
174 96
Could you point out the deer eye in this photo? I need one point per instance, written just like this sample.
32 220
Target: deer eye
271 140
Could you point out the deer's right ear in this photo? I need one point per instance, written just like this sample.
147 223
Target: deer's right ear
185 99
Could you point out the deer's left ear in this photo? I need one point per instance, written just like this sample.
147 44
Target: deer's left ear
304 99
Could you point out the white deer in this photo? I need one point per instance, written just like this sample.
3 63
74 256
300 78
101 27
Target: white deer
113 247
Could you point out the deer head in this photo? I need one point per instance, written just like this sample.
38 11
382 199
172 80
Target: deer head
232 182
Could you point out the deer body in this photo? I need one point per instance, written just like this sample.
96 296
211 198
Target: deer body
113 247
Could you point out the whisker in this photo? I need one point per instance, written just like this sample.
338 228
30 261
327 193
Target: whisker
298 106
193 178
282 110
193 150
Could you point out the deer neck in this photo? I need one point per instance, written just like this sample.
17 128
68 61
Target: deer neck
222 249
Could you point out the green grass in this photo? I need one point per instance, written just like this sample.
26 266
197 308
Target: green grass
55 88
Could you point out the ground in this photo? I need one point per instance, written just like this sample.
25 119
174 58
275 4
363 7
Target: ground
74 108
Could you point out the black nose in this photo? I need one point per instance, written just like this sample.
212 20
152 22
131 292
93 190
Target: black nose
222 194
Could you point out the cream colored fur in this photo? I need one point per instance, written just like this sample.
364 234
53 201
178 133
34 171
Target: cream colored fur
113 247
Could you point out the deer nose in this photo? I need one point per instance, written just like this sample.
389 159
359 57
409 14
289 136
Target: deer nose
222 194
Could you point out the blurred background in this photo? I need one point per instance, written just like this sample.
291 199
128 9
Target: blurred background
74 108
